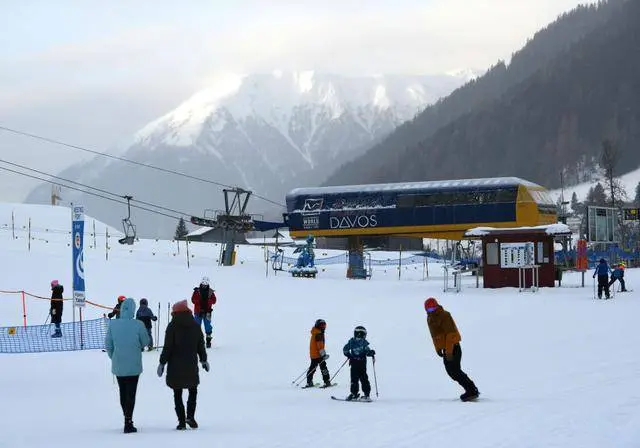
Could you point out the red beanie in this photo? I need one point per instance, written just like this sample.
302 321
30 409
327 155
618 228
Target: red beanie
180 307
431 302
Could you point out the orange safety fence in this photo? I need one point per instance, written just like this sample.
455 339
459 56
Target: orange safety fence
35 296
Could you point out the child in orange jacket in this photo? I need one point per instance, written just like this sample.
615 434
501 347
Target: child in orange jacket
317 354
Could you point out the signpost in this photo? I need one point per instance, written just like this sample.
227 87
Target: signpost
582 263
77 247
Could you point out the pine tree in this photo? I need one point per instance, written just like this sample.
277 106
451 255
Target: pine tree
597 195
575 204
181 230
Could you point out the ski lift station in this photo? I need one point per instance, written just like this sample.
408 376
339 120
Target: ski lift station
435 209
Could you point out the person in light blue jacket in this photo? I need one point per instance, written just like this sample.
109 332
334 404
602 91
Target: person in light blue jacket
126 338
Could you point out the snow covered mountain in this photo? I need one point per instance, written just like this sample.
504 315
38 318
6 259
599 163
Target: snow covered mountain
265 132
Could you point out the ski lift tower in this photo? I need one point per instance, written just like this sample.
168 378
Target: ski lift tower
233 219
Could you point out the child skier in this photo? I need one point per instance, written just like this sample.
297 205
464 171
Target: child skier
145 315
115 312
56 307
357 350
317 354
446 340
618 274
203 299
602 271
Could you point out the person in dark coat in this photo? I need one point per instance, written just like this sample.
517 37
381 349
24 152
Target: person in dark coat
146 316
183 346
602 272
56 307
116 309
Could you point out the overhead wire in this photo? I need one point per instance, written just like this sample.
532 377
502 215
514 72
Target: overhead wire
123 159
17 165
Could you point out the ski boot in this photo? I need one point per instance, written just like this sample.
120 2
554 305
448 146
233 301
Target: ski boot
470 395
192 422
181 426
209 341
352 397
57 333
128 427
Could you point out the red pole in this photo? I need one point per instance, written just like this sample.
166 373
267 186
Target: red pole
24 309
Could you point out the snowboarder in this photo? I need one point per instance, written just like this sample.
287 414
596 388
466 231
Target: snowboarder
356 350
116 309
602 271
125 340
203 299
618 274
446 340
145 315
56 307
183 346
317 354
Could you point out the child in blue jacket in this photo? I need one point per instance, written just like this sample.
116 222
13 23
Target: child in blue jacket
357 350
145 315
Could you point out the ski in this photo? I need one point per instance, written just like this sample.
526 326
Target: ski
325 386
318 385
307 386
359 400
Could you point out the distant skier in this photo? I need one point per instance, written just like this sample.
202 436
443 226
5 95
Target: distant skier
446 340
602 271
203 299
618 274
116 309
125 340
145 315
317 354
357 349
56 307
183 346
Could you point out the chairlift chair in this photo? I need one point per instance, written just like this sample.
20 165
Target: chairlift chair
127 225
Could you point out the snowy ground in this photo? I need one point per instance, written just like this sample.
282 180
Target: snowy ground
555 368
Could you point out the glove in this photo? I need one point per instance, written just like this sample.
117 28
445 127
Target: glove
372 353
154 318
325 357
207 316
205 366
52 312
322 353
440 352
160 370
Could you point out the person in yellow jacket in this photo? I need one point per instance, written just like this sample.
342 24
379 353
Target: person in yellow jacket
317 354
446 340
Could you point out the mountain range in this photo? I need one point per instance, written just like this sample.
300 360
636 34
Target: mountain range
264 132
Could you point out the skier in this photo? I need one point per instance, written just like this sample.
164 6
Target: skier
56 307
125 340
618 274
317 354
203 299
602 271
145 315
446 339
116 309
357 350
183 345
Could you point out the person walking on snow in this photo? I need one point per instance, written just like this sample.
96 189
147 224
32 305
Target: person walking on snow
446 340
602 271
55 311
317 354
125 340
145 315
356 350
203 299
183 346
618 274
116 309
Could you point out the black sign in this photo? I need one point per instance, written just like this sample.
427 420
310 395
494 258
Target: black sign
632 214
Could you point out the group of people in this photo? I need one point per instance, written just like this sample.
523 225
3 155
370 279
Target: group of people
444 334
602 271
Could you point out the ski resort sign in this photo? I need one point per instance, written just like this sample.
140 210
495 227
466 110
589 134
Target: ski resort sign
77 247
353 222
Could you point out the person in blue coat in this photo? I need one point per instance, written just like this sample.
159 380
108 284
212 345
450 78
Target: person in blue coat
357 349
602 272
125 340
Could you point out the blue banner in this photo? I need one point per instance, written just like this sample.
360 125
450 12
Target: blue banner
77 233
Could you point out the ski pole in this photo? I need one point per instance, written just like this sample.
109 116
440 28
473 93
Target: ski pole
299 376
375 379
158 328
339 369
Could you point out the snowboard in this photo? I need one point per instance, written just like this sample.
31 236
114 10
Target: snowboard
359 399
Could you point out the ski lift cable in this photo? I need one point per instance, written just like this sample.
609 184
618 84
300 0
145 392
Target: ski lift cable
88 192
122 159
17 165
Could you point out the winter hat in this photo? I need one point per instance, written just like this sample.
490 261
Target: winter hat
180 307
54 283
144 302
430 305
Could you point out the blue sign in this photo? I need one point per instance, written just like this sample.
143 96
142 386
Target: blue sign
77 246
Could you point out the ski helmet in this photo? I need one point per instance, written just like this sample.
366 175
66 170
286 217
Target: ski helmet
360 332
121 299
144 302
430 304
204 281
321 324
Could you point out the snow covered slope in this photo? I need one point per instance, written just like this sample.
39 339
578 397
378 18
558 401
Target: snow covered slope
630 181
556 368
265 132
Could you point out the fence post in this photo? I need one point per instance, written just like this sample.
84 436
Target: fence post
400 263
13 225
95 246
29 235
24 310
106 243
187 243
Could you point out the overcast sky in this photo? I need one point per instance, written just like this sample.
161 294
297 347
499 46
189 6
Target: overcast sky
93 72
